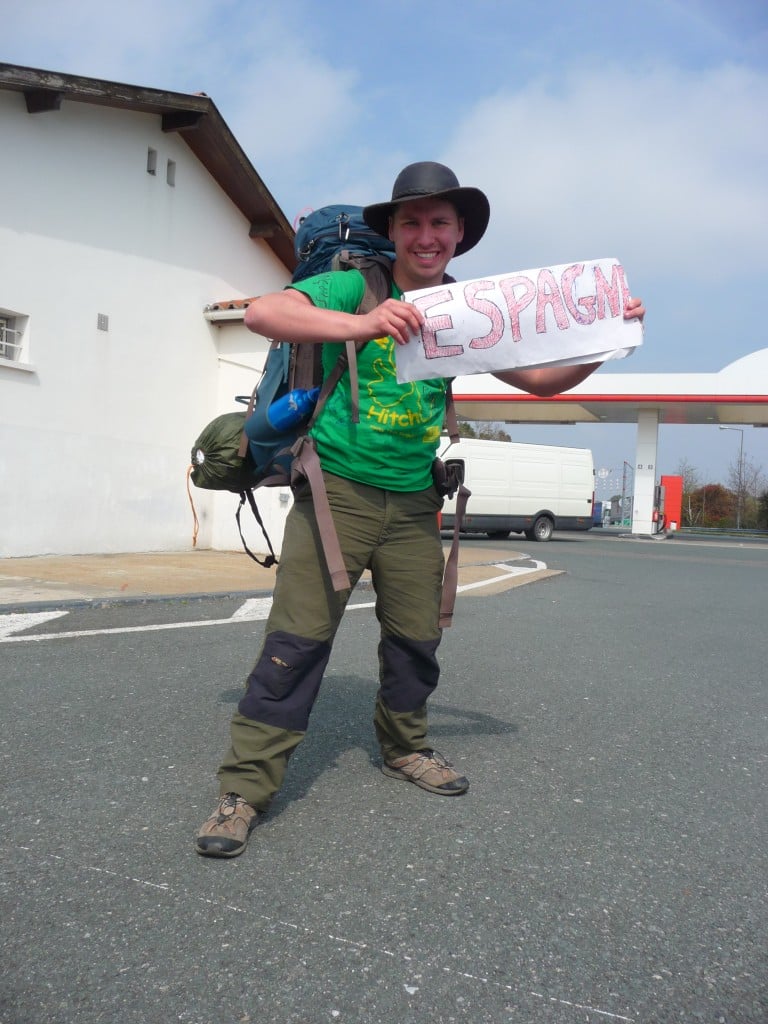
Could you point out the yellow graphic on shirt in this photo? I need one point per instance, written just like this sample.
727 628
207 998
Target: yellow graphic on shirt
393 405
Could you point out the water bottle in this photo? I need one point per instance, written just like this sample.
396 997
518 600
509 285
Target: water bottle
295 407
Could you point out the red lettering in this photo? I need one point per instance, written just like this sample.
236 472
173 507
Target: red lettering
433 324
516 305
487 308
582 309
616 293
549 295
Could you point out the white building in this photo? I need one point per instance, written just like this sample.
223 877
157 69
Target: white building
133 228
125 213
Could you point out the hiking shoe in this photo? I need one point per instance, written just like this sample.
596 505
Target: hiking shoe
226 832
428 769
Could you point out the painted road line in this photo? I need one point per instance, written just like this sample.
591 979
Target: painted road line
250 615
17 621
508 572
251 610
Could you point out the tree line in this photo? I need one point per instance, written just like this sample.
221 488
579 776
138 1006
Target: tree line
742 501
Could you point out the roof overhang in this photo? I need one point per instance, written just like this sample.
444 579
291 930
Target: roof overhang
194 117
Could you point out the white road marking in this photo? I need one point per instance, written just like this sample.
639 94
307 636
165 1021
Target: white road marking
17 621
251 617
254 609
509 570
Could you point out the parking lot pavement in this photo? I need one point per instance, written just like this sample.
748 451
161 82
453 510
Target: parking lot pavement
50 580
607 863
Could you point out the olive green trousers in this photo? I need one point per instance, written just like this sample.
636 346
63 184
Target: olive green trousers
394 535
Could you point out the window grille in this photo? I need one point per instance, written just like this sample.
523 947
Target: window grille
10 339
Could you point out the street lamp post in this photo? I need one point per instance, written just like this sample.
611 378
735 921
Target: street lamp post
740 475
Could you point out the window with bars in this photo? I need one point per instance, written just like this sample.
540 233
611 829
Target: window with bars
11 336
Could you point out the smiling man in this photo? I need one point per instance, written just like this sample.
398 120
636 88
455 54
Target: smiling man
378 477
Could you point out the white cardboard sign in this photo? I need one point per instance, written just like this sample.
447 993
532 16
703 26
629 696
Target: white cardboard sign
572 313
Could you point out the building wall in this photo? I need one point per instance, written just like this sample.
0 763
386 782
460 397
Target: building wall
96 426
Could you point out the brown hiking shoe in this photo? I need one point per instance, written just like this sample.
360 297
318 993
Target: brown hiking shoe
226 832
428 769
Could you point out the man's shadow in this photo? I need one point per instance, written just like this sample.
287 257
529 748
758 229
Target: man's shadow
342 720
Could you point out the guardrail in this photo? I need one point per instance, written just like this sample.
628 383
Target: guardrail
718 531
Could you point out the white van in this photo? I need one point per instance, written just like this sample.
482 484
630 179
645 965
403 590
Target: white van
522 488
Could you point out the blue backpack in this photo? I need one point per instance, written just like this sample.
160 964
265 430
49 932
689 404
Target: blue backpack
241 451
331 238
325 235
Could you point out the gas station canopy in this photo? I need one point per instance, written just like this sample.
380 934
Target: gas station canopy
727 398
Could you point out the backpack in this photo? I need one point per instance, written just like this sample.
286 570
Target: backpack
324 235
240 451
216 464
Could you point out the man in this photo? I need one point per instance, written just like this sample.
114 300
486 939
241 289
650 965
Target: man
378 478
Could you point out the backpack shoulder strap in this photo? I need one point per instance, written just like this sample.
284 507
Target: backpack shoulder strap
451 571
271 558
377 274
377 277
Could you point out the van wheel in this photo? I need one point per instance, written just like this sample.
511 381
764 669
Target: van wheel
498 534
542 529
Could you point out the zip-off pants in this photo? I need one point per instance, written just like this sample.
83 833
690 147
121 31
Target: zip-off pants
395 535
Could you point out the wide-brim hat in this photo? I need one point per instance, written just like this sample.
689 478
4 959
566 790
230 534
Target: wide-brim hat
428 180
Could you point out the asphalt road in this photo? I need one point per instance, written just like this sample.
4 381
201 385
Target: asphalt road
609 863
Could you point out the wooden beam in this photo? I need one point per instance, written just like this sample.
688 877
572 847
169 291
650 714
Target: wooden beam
261 229
182 120
40 100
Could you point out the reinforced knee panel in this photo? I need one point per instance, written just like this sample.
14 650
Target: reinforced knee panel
281 689
408 671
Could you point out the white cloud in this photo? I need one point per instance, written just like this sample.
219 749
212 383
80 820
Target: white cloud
312 107
659 167
666 168
289 107
154 43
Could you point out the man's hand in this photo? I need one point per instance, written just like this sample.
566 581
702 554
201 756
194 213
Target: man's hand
291 316
393 317
634 310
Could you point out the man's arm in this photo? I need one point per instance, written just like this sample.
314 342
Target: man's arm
547 380
291 315
553 380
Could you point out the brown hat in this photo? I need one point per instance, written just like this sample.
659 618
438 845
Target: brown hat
428 180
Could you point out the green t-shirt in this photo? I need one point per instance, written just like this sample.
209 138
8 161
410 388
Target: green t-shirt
394 443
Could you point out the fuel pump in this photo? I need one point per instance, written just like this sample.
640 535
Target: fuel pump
659 522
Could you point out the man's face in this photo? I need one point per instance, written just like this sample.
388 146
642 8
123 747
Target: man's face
425 233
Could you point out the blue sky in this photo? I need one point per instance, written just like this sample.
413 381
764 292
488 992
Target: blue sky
637 130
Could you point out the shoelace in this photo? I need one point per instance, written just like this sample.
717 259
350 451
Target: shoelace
228 807
429 760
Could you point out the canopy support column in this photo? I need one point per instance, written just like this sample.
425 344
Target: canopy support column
645 471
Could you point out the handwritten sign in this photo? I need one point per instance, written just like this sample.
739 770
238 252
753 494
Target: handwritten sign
552 316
